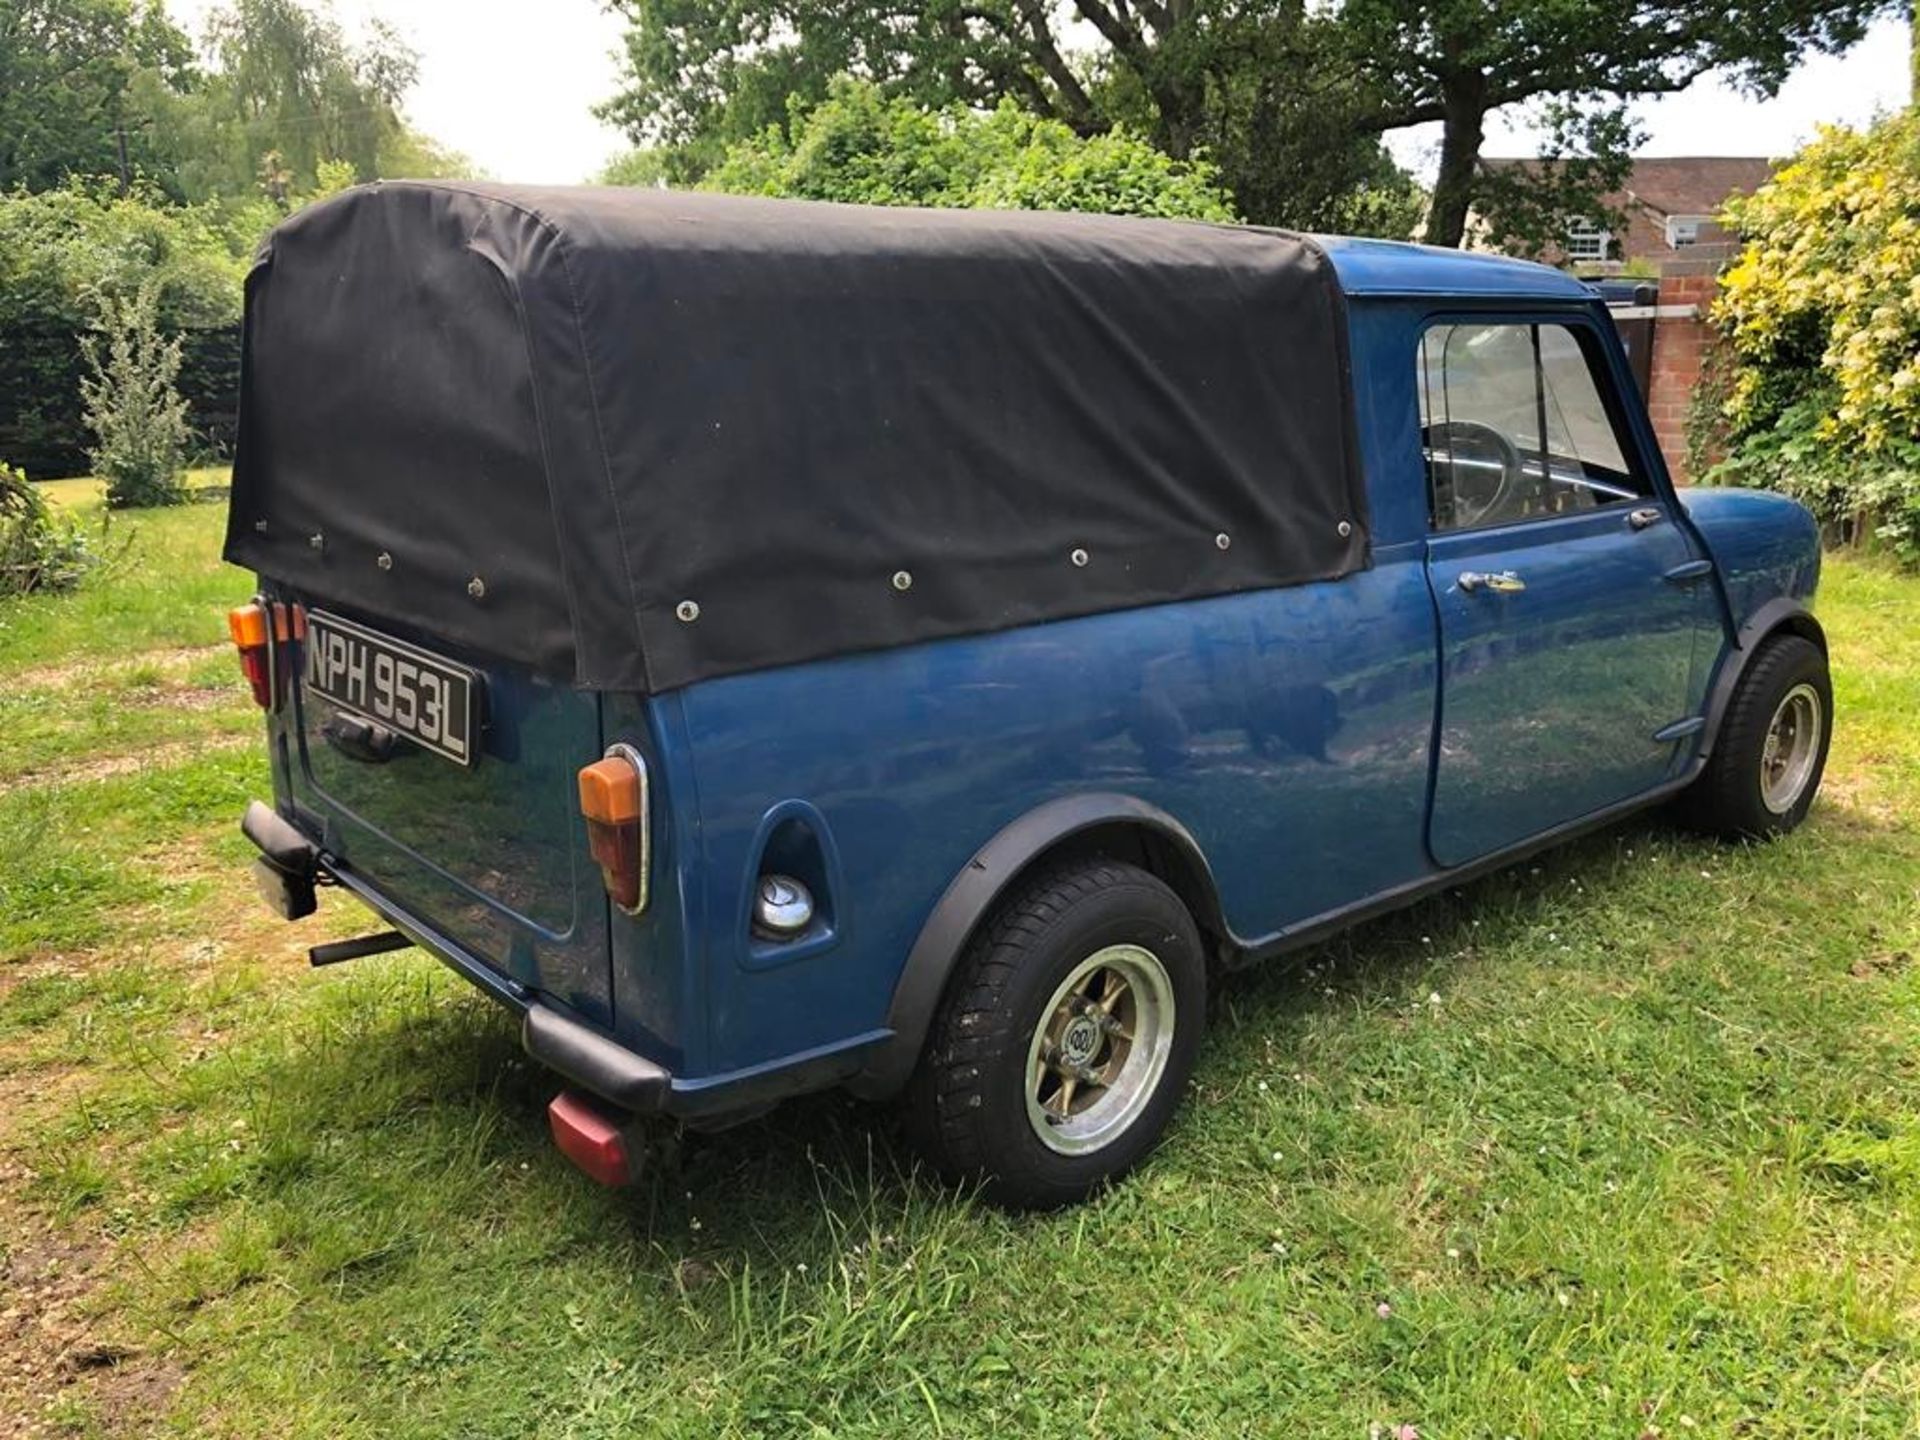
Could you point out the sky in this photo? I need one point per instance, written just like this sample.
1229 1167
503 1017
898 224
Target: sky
512 86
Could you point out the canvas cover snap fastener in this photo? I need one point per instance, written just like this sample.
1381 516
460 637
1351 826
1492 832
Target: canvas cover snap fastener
902 580
477 588
687 611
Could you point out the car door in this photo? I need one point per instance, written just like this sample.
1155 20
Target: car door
1564 586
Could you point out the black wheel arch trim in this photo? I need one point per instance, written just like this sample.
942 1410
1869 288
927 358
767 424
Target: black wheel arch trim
984 879
1781 615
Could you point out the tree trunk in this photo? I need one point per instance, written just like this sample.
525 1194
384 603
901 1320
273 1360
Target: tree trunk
1460 141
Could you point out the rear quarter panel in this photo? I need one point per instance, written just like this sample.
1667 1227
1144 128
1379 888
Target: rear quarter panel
1287 729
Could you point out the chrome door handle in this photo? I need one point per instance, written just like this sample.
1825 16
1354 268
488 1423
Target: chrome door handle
1641 519
1500 582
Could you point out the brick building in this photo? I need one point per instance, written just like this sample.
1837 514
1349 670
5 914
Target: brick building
1665 212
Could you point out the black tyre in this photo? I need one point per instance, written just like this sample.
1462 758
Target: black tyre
1771 751
1066 1037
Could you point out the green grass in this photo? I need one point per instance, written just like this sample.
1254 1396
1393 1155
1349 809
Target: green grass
1625 1141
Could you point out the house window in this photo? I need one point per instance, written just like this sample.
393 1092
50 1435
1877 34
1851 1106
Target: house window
1587 243
1684 230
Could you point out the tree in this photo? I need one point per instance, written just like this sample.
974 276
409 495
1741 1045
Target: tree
1289 97
285 90
1454 62
860 146
1240 81
79 80
1820 394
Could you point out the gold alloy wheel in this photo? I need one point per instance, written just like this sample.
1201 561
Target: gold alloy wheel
1792 748
1100 1048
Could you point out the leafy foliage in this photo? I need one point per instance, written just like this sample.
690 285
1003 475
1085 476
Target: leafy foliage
94 88
1289 99
79 80
1242 84
60 249
38 551
1523 206
1453 62
133 405
287 92
1821 315
860 146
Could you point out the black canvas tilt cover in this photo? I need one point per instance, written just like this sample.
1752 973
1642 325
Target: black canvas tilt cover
639 438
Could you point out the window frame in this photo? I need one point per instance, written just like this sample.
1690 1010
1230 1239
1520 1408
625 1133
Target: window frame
1580 228
1697 223
1648 476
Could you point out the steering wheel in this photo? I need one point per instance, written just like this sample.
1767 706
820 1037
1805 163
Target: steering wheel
1482 495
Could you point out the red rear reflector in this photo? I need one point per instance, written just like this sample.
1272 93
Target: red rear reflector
588 1134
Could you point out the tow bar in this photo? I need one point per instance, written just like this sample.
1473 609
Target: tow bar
338 950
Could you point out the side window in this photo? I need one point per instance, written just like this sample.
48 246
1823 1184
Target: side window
1513 427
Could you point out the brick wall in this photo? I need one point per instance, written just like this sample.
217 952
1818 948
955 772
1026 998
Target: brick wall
1679 352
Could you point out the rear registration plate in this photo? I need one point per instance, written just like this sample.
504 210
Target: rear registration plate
431 701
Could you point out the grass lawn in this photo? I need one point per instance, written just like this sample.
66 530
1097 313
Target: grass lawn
1625 1142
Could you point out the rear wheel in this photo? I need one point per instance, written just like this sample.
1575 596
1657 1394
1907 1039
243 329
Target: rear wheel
1067 1034
1771 751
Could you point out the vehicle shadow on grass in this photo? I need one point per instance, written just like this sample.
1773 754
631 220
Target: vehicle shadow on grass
826 1177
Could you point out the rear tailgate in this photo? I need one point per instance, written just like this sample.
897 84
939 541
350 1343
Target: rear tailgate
463 817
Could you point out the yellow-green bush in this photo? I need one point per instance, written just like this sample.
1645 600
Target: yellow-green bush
1821 319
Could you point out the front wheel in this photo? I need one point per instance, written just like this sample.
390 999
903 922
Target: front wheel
1767 760
1068 1032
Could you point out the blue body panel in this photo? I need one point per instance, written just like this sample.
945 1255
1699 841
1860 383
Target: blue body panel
1764 547
1325 745
1288 729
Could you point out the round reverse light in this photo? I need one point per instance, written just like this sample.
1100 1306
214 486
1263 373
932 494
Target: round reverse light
782 907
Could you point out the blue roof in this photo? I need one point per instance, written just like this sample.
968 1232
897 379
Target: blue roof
1392 267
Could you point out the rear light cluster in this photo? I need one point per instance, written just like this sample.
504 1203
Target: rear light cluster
613 798
267 635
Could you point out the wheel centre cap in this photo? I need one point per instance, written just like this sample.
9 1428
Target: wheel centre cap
1080 1039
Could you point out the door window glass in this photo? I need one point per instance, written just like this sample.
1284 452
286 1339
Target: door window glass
1513 427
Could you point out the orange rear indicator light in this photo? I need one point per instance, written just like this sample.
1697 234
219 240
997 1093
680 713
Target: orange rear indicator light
249 627
610 791
613 798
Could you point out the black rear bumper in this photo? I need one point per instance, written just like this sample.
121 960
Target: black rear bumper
291 866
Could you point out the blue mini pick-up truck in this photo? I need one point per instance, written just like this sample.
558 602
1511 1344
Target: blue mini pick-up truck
774 646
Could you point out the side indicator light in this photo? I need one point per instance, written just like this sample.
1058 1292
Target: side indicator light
613 798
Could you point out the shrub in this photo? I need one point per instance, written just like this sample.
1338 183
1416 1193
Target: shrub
858 145
133 404
58 250
38 551
1821 315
